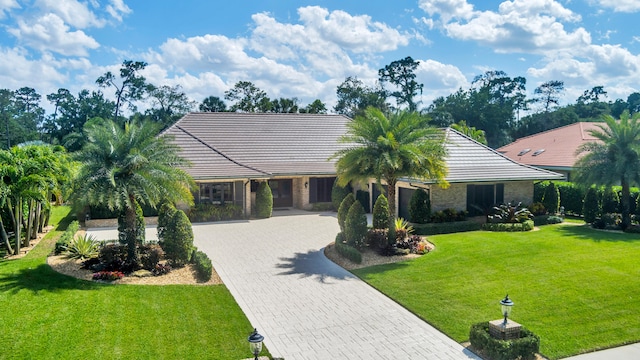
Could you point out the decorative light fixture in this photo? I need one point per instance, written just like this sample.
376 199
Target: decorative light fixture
506 305
306 184
255 343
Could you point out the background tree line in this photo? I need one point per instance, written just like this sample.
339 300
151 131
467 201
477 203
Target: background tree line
495 107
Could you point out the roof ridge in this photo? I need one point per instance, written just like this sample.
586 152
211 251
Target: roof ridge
219 152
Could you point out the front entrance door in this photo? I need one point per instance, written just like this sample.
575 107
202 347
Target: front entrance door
282 191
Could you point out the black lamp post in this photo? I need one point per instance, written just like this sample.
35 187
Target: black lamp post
507 305
255 343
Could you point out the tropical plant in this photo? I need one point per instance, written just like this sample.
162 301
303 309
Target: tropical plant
419 207
264 200
389 148
381 213
122 166
343 210
356 226
615 158
82 247
510 214
402 229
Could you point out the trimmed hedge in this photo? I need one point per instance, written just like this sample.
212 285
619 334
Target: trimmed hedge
177 241
338 193
204 268
524 348
419 207
551 198
264 200
381 213
355 226
363 197
446 228
509 227
547 220
347 251
591 207
214 212
343 210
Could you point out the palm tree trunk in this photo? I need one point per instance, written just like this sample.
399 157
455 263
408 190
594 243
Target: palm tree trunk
5 238
18 223
29 227
37 221
391 191
130 232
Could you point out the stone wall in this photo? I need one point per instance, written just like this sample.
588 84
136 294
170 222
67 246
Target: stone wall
455 196
519 191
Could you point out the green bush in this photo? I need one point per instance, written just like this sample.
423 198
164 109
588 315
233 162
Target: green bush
150 256
537 209
446 228
338 193
632 229
264 201
66 237
363 197
590 207
381 213
524 348
538 190
82 247
203 266
551 199
178 239
214 212
355 226
571 197
165 214
547 220
324 206
419 207
509 227
377 238
343 210
140 227
610 201
347 251
448 215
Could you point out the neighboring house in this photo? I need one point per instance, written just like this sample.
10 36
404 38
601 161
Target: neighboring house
554 149
231 152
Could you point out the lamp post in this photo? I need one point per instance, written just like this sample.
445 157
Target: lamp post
255 343
506 305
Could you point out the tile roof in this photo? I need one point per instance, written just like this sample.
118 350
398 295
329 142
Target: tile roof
256 145
251 145
559 146
470 161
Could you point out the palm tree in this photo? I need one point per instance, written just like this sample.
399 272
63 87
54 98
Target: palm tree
122 166
615 159
389 148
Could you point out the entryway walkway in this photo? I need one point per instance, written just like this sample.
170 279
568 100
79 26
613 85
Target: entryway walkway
306 306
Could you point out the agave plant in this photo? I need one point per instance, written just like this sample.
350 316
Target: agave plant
403 229
83 247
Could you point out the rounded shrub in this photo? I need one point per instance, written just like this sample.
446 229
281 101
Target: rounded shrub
551 199
355 226
165 213
338 193
381 213
264 201
178 239
419 207
343 209
610 201
203 266
590 206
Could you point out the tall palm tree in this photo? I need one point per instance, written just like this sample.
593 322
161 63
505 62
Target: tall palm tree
390 148
122 166
615 159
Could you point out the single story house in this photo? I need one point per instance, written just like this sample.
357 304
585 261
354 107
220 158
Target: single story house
553 149
230 153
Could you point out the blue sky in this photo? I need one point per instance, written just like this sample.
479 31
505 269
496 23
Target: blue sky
305 49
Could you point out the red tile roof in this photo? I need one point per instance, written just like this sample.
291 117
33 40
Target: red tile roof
554 148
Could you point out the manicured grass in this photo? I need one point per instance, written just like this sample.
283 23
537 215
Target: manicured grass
578 288
46 315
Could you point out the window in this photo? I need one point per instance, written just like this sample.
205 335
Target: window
320 189
216 193
481 198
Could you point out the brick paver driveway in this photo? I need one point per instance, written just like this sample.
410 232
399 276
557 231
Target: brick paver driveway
306 306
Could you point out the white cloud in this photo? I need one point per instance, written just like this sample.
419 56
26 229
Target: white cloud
117 8
6 6
526 26
439 79
628 6
73 12
50 33
447 9
17 69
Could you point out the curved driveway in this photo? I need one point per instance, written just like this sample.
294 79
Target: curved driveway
306 306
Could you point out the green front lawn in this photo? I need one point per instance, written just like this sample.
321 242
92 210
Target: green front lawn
579 289
46 315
